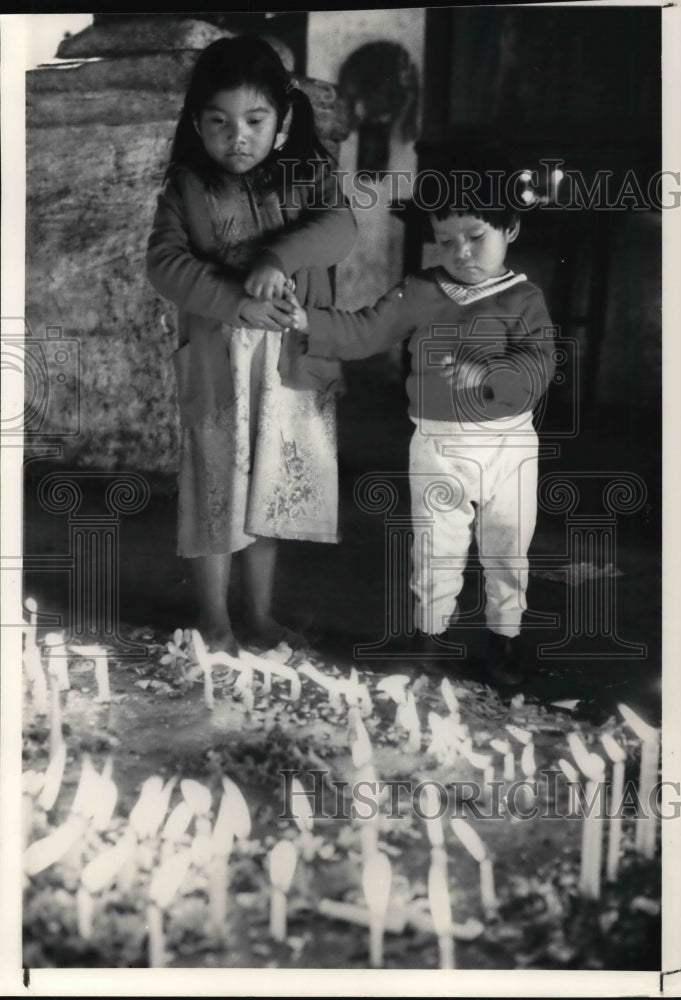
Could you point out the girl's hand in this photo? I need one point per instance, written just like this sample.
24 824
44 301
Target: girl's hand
297 315
265 315
265 282
462 374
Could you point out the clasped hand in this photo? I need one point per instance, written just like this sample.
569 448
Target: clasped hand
281 313
462 374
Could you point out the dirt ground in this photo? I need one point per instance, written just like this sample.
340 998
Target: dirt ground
158 724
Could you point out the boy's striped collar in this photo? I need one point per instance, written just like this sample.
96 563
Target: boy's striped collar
463 294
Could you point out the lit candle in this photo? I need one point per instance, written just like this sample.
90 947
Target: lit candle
85 908
528 767
573 780
504 747
56 735
175 828
474 845
33 662
438 899
282 867
433 816
165 882
57 664
394 687
368 829
304 818
449 698
646 824
222 841
617 756
53 779
376 882
206 666
240 817
593 767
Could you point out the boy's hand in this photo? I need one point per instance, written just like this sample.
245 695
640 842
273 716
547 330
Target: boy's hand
265 282
263 314
297 315
462 374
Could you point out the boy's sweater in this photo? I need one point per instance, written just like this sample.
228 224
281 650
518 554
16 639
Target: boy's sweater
502 324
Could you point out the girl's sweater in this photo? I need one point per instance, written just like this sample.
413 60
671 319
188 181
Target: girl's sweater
183 266
503 326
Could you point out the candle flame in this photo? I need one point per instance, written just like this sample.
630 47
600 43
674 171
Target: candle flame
501 746
612 748
449 696
568 770
31 605
644 732
240 815
469 838
282 862
590 764
376 882
53 779
527 763
104 868
168 877
394 686
177 822
196 795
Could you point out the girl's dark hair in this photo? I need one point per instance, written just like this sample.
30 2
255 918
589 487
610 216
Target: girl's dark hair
248 61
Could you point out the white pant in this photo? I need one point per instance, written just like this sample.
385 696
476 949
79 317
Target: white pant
465 476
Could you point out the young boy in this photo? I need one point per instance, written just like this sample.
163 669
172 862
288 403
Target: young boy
481 359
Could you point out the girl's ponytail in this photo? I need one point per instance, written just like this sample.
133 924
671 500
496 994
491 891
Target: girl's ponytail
302 142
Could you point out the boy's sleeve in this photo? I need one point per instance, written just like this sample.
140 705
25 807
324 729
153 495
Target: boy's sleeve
336 333
324 233
173 268
520 378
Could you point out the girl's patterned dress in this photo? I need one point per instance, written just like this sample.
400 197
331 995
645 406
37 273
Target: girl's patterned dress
267 464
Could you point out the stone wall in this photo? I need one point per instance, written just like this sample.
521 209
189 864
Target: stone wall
99 127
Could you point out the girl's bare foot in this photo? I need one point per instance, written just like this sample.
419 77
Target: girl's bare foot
269 633
218 637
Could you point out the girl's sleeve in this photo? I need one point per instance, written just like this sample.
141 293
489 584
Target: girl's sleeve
173 268
326 230
528 363
335 333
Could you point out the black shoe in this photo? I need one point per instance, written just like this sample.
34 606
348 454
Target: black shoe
504 660
437 647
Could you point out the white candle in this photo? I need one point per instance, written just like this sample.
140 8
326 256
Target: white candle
57 663
487 894
206 666
304 818
376 882
617 756
282 866
474 845
56 735
646 824
438 900
433 816
157 950
102 677
593 767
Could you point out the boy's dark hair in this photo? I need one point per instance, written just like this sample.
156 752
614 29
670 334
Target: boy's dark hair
227 64
479 181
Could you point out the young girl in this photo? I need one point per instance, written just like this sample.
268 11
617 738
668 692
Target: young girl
248 210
